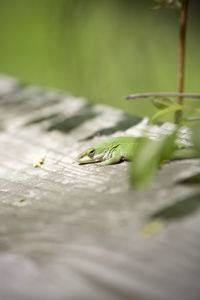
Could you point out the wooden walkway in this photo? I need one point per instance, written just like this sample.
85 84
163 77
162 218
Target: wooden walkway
78 232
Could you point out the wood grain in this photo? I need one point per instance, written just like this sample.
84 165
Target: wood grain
77 233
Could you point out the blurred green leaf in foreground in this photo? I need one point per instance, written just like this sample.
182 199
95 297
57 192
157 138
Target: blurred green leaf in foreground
148 157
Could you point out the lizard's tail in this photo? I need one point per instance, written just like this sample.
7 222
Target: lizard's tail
185 153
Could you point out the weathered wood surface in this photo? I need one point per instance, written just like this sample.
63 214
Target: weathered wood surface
78 235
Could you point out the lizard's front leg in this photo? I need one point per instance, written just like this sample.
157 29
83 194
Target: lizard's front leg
116 158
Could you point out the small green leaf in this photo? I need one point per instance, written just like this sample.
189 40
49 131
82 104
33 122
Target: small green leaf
21 199
162 102
167 110
156 7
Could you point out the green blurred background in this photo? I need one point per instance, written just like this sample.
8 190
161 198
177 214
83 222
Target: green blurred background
101 50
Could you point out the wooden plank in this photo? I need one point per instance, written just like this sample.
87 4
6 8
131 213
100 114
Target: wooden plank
77 232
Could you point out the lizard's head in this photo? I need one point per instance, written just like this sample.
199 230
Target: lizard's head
92 155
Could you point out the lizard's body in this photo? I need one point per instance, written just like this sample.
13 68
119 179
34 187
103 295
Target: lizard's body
114 150
109 151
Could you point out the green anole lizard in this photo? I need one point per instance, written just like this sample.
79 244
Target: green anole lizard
114 150
109 151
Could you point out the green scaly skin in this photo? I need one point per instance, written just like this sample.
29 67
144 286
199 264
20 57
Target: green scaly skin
117 149
109 151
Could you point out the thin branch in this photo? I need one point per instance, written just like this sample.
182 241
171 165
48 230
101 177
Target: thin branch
193 119
145 95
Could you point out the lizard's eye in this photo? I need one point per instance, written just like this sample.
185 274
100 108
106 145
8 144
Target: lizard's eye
91 153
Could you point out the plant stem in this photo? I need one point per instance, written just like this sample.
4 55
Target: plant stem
191 119
145 95
181 57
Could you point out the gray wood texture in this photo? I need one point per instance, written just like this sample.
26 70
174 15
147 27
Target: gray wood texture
77 234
